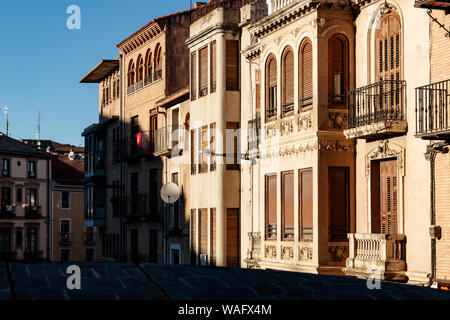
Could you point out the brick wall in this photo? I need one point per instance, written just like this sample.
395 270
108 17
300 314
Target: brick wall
443 214
440 48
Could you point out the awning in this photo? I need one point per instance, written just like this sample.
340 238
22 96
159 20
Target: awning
100 71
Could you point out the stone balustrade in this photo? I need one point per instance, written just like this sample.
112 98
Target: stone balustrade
275 5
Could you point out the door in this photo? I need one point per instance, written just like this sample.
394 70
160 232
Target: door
388 196
233 238
134 246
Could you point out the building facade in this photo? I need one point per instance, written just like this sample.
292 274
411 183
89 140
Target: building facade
25 183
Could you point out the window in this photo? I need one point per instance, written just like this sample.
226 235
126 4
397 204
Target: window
19 195
158 63
213 232
288 80
388 48
305 206
153 128
203 231
271 206
148 67
153 246
89 254
5 240
233 238
64 229
134 194
140 69
31 169
203 72
90 236
271 87
287 205
212 142
5 168
213 66
338 205
32 240
305 74
65 200
175 254
154 192
258 90
193 76
232 65
337 70
193 150
177 205
232 147
131 73
64 255
5 198
194 237
32 197
203 155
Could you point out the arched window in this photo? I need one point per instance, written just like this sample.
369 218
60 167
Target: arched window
158 62
271 87
148 67
388 48
287 83
305 76
337 70
140 69
131 73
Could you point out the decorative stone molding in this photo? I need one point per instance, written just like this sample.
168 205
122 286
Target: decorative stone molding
318 22
271 252
336 146
338 119
287 252
271 131
305 253
338 253
287 127
386 8
304 122
385 150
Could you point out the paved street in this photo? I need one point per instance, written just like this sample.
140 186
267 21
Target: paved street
114 281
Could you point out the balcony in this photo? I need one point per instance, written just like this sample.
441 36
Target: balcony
90 237
254 134
33 254
131 88
33 212
377 111
379 255
139 145
157 75
139 85
433 4
65 238
167 139
7 212
432 114
142 207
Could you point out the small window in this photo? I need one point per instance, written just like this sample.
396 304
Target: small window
65 200
31 169
65 255
5 168
19 195
90 254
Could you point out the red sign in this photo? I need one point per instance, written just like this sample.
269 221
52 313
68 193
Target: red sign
139 141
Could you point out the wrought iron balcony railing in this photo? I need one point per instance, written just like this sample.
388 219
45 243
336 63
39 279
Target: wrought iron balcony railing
130 89
7 212
90 237
271 113
381 101
65 238
432 114
287 108
157 75
33 212
139 85
142 143
167 139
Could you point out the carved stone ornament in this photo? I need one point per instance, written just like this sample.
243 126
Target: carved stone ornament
271 252
287 253
304 123
337 120
338 253
287 127
386 149
305 253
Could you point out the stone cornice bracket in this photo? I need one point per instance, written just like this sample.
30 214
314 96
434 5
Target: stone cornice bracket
386 149
386 8
318 22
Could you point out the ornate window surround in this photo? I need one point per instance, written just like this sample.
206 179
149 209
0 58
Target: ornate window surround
386 150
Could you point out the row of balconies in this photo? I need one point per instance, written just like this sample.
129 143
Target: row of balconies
27 254
31 212
152 77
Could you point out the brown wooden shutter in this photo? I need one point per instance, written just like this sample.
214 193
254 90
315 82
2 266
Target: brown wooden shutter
271 84
306 77
336 68
194 235
232 65
271 206
388 53
193 76
203 74
213 67
389 194
193 150
231 140
213 229
203 167
203 231
232 237
287 205
212 140
258 90
305 205
338 203
288 78
273 72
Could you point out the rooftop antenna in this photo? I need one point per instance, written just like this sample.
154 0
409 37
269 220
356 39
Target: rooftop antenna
6 110
38 134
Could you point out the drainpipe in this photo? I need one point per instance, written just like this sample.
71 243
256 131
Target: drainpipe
430 155
121 134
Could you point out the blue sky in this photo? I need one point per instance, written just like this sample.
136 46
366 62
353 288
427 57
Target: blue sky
41 60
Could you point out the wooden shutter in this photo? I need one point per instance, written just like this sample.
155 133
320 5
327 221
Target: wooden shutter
258 89
338 203
203 232
193 149
271 82
193 76
213 66
203 167
306 69
213 229
212 140
194 235
288 77
388 201
232 65
231 140
305 180
232 237
271 206
388 53
203 74
336 76
287 205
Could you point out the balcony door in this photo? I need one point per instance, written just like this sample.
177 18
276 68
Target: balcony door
384 198
388 44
